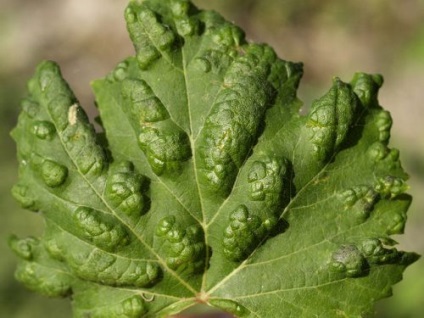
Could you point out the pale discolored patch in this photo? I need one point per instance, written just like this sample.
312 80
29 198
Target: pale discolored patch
72 114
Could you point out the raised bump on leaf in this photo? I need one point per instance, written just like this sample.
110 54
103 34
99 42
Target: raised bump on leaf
80 141
330 118
397 225
376 253
132 307
366 87
48 88
23 247
266 181
203 64
38 273
213 60
115 271
124 189
25 197
93 264
44 130
185 24
52 246
391 186
266 188
180 8
145 105
392 159
349 260
165 149
228 36
151 39
78 136
30 107
232 127
381 154
119 73
53 173
378 151
245 231
101 229
361 199
43 280
185 250
384 124
282 71
165 144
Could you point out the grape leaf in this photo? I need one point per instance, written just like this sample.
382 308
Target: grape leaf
207 185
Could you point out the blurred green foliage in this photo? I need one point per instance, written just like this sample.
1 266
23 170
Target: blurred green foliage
331 37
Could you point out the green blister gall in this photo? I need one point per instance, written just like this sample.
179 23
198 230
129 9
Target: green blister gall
376 253
53 173
185 25
43 280
145 105
232 126
349 260
267 184
23 248
384 124
38 273
24 196
360 200
391 186
103 230
330 119
186 249
204 64
81 142
180 8
151 39
132 307
213 60
147 56
53 93
165 145
96 265
228 36
124 189
43 130
244 233
119 73
166 148
266 180
366 87
384 156
398 224
30 107
378 151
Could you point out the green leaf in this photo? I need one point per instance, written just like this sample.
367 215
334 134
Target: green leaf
211 187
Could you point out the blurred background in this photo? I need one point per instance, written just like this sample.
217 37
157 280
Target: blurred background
331 37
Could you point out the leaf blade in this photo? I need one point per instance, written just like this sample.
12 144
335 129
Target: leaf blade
211 187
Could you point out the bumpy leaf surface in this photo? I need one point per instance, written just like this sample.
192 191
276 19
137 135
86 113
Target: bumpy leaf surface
207 185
